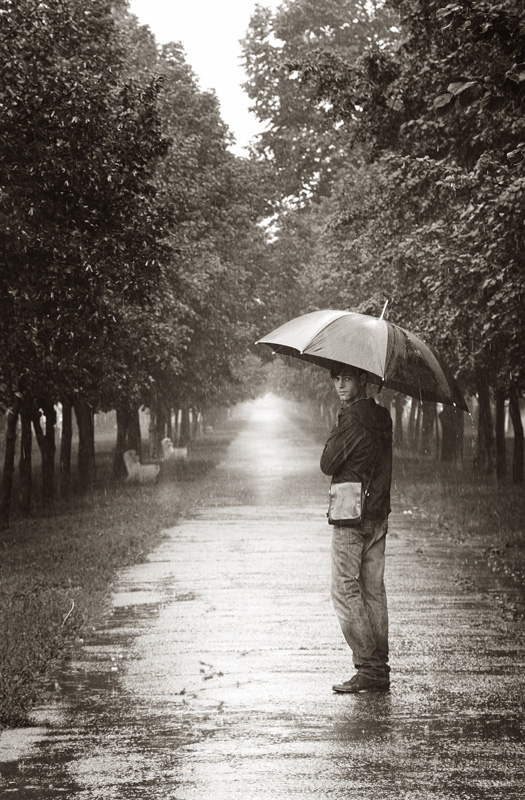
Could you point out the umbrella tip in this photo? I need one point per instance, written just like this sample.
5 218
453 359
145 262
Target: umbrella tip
383 311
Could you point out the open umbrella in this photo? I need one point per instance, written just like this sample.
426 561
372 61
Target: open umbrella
392 356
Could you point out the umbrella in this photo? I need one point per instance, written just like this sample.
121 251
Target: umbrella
392 356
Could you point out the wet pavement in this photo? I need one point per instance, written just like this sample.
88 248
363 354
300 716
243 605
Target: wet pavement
212 677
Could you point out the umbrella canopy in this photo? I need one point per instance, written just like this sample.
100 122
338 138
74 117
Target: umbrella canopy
390 355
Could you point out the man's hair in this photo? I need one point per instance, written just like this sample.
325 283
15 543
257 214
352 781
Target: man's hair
338 368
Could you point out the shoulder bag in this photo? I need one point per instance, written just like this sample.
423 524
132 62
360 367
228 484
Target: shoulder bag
347 501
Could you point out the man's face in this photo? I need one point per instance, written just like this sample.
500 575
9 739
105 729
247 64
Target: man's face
348 387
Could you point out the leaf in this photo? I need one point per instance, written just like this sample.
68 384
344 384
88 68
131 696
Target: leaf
444 102
515 157
458 85
469 94
493 102
497 78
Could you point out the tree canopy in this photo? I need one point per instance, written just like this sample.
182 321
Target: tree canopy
141 259
126 220
123 209
421 201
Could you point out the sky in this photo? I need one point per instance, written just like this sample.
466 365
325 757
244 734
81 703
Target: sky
209 31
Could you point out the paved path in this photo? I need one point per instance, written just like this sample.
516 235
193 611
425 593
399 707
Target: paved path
212 678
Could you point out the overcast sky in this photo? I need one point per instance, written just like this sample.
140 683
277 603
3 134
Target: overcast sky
209 31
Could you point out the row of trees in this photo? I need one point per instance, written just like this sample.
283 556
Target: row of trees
397 131
126 225
134 266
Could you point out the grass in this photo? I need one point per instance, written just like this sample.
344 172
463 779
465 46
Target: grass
467 506
56 571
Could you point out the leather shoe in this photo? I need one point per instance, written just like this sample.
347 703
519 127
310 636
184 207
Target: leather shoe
362 683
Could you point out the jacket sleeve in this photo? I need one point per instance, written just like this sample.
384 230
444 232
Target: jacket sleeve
339 446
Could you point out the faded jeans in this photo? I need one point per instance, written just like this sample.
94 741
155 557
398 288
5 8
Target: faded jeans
358 593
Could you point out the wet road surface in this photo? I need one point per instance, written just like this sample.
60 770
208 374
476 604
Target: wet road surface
212 677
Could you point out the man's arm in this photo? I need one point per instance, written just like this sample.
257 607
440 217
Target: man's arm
339 446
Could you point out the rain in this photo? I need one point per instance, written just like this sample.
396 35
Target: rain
262 400
210 676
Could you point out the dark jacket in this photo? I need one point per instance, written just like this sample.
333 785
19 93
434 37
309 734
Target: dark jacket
363 429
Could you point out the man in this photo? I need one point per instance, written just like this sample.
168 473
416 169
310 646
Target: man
359 449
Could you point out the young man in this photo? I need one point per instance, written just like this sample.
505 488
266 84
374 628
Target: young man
359 449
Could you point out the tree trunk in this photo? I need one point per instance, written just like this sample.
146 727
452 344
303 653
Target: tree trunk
160 430
501 450
399 405
412 423
176 425
65 447
485 451
119 467
135 436
515 415
419 418
157 428
48 473
437 430
194 422
25 466
128 438
427 426
185 429
451 434
46 443
86 446
9 462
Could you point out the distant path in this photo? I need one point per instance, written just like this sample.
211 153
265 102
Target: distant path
212 679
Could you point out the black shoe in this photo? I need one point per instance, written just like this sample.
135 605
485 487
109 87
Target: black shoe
362 683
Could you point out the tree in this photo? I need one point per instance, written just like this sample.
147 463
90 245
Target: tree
453 254
216 200
301 141
82 238
493 89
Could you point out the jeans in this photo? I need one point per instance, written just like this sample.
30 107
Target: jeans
359 596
